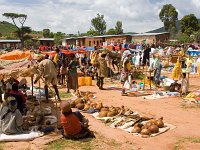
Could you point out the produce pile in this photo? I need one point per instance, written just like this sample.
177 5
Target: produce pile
119 117
38 117
193 96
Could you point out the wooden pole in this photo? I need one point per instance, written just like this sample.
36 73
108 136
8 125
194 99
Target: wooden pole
150 79
145 76
32 87
56 112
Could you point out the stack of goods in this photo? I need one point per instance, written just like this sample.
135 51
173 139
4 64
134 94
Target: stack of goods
38 117
193 96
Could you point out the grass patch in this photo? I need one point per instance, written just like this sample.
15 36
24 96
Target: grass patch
100 142
178 145
70 144
2 145
190 106
65 95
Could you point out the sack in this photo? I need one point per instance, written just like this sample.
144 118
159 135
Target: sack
127 85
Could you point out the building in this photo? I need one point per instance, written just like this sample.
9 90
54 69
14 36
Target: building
47 42
91 41
10 44
151 38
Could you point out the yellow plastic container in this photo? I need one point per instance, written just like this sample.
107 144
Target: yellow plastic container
88 81
81 81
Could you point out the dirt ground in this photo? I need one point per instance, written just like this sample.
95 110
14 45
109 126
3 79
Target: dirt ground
186 120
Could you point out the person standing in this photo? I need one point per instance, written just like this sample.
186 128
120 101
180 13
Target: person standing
126 68
47 70
146 55
72 82
102 70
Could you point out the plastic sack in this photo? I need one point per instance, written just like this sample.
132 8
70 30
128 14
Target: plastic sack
127 85
20 137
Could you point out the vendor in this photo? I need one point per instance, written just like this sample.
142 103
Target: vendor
156 67
11 118
74 124
47 70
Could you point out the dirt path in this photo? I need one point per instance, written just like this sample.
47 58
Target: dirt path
186 120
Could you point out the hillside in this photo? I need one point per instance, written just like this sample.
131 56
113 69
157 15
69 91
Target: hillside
7 29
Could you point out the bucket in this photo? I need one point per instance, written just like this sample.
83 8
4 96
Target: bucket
81 81
88 81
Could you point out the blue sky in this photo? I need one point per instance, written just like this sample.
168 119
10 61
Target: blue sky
71 16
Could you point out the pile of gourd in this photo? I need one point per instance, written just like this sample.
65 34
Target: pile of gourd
84 103
150 127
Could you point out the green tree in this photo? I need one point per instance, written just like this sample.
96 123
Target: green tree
197 35
111 31
168 15
21 30
92 32
118 27
51 35
58 38
99 24
189 24
46 33
184 38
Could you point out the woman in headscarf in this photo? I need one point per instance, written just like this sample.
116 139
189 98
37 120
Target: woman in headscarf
10 118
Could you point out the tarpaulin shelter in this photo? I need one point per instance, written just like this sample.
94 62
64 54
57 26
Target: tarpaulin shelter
67 52
16 55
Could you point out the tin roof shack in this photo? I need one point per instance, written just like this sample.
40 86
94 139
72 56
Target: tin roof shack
47 42
155 38
11 44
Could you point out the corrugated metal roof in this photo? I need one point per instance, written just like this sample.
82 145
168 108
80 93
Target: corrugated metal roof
10 41
149 34
46 39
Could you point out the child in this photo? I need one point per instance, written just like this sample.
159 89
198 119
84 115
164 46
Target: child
185 84
74 123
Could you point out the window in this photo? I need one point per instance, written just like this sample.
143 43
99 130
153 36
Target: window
89 43
94 42
97 43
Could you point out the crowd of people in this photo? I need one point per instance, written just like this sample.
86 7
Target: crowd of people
63 69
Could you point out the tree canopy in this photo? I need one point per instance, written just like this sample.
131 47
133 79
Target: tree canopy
46 33
118 28
111 31
21 30
189 24
92 32
168 15
99 24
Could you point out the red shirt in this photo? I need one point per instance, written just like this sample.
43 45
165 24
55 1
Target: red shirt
71 124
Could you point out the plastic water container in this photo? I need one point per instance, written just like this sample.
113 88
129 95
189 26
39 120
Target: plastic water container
81 81
88 81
